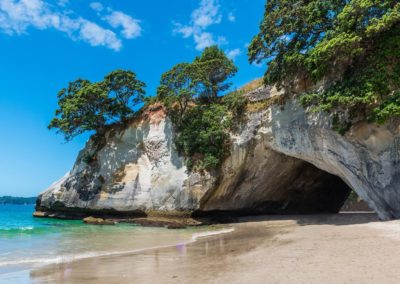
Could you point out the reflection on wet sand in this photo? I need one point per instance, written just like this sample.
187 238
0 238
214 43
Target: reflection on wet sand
310 249
182 261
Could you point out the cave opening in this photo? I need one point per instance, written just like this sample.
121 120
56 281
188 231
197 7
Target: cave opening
269 182
355 203
306 190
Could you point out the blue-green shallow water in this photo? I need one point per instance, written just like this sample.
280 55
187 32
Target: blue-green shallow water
27 242
17 220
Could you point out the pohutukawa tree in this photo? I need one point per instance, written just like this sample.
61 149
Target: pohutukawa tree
206 77
203 80
126 91
201 120
86 106
178 87
213 69
354 44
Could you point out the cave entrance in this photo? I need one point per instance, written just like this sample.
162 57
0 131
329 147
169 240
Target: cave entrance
268 182
354 203
305 189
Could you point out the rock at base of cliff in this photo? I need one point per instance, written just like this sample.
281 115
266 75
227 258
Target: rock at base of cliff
40 214
169 223
98 221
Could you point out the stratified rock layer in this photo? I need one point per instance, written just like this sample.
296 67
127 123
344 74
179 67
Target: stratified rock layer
283 160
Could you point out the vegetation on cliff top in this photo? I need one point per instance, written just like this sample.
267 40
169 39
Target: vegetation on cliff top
86 106
202 118
351 46
191 93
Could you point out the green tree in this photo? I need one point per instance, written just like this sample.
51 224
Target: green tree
126 90
201 121
350 45
178 87
204 135
213 68
288 31
86 106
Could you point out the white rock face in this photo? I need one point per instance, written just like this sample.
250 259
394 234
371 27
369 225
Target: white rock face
366 158
138 169
135 169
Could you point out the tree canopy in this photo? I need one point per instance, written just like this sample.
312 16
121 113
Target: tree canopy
191 92
213 69
86 106
204 78
352 44
180 86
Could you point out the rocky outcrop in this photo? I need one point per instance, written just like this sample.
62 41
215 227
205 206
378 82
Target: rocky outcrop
98 221
283 160
130 171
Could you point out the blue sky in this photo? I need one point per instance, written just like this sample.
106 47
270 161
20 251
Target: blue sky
45 44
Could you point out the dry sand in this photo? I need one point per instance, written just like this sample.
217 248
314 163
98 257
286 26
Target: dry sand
344 248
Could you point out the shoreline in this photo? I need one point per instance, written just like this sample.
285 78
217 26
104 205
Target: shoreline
21 268
341 248
349 247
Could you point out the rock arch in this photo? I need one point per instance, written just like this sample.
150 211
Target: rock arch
283 159
273 183
364 159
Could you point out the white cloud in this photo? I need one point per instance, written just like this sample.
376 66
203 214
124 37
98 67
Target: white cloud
204 16
207 14
203 40
130 27
63 3
98 36
97 6
186 31
231 17
232 54
17 17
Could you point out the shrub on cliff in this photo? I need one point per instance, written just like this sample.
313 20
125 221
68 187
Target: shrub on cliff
203 136
202 120
352 44
86 106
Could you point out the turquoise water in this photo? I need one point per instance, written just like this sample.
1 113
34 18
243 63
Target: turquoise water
27 242
17 220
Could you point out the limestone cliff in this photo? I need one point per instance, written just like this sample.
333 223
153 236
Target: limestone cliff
131 170
283 160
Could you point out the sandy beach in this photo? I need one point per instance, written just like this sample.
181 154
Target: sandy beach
343 248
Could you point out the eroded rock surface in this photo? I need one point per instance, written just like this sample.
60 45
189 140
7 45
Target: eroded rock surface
283 160
131 171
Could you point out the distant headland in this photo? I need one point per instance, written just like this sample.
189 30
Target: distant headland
17 200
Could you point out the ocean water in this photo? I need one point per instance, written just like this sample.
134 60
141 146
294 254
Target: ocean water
27 242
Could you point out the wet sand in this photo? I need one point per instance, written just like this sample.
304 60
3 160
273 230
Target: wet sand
343 248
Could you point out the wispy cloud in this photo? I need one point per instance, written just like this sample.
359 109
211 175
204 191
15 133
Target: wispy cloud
232 54
207 14
17 17
97 6
231 17
98 36
130 27
63 3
